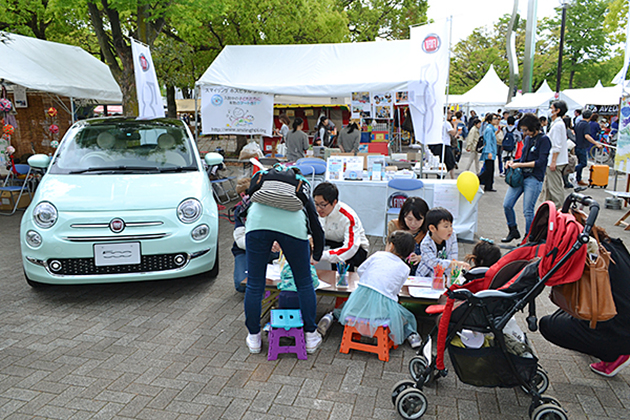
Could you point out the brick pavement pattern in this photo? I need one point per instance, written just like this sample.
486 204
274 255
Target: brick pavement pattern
176 350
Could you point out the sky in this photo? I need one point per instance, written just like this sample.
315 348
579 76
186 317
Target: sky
468 15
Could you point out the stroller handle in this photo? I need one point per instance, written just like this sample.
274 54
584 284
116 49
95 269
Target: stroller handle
593 208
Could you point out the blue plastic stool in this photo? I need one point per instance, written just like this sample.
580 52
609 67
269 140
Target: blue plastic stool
286 323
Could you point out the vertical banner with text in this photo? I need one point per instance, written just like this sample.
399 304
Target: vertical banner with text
226 110
427 95
622 157
150 103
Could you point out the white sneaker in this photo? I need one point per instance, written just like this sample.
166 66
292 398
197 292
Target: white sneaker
414 340
313 340
324 324
254 343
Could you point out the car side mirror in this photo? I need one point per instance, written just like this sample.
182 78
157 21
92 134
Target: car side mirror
39 161
213 159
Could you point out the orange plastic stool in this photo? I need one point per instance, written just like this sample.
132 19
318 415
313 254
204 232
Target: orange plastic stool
351 337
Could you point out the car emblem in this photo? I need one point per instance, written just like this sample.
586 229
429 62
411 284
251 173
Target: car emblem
117 225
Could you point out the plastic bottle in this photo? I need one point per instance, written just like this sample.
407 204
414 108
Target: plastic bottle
438 278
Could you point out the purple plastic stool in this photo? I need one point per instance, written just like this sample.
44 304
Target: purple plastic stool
286 323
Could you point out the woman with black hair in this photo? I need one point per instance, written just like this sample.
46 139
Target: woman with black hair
411 219
297 141
533 163
350 137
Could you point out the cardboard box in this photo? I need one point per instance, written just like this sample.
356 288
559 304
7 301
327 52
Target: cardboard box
359 154
414 156
6 204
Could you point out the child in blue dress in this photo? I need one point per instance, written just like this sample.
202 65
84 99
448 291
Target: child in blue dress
375 299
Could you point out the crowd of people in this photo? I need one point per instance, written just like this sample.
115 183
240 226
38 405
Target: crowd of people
535 154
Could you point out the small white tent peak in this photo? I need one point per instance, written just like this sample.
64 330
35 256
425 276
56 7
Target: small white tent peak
489 90
544 88
599 84
61 69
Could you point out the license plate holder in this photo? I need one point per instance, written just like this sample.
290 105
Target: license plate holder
125 253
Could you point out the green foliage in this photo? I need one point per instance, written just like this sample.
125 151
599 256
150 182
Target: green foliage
386 19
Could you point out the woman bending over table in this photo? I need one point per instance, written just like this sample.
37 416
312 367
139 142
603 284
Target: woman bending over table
411 219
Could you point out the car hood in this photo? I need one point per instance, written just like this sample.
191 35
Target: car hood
121 192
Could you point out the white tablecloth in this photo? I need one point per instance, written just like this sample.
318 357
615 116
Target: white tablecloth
369 201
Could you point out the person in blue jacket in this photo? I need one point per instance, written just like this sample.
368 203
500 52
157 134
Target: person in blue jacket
489 152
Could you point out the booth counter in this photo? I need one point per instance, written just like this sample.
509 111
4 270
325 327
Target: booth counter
369 201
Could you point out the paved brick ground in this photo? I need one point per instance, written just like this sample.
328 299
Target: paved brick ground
175 350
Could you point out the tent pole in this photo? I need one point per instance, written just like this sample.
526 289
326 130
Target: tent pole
448 85
72 109
196 122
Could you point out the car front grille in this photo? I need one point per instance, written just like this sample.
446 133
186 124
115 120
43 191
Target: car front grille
86 266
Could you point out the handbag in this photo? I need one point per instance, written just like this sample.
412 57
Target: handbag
590 298
514 177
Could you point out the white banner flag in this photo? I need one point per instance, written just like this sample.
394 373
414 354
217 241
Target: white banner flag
150 103
427 96
226 110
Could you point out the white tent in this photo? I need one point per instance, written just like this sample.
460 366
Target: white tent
544 87
597 95
322 70
61 69
487 96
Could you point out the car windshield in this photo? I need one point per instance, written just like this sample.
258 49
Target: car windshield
125 147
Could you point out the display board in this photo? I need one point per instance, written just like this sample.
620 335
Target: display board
622 158
226 110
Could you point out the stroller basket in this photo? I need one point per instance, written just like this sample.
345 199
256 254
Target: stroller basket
488 366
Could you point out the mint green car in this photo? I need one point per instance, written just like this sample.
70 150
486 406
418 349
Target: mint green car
122 200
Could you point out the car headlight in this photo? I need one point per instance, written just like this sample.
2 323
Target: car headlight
33 238
189 210
200 232
45 215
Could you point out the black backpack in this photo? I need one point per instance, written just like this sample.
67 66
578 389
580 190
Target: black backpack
480 145
509 142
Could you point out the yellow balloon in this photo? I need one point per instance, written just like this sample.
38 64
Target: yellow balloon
468 184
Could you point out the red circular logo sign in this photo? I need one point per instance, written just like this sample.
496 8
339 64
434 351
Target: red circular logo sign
144 63
397 199
431 44
117 225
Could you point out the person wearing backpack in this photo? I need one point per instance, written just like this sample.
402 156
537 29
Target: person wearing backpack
282 211
511 137
553 186
471 144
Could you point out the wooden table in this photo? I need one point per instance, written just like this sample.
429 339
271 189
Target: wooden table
329 277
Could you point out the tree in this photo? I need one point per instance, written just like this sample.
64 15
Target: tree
386 19
586 42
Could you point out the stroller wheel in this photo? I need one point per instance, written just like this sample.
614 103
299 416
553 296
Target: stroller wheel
411 404
540 380
417 366
400 387
549 412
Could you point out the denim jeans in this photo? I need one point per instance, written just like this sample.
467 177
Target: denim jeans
582 163
298 255
531 190
240 271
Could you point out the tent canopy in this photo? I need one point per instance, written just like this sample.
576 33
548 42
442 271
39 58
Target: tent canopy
594 96
323 70
62 69
489 91
544 87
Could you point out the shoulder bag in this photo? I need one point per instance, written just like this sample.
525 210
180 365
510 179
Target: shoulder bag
280 187
514 177
590 298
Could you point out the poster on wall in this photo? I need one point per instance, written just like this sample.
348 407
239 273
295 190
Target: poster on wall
19 96
622 158
402 97
226 110
361 105
383 105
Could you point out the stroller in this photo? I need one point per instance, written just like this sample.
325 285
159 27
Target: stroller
482 310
